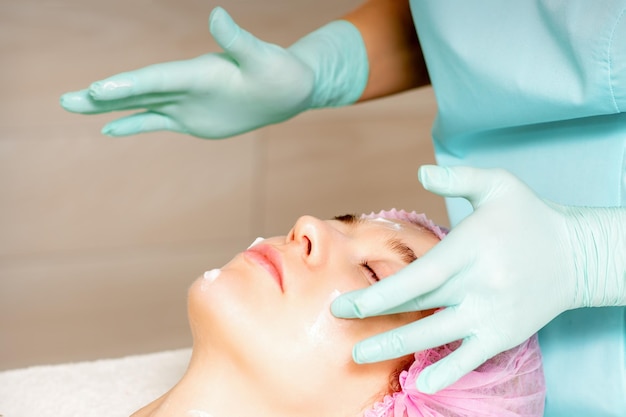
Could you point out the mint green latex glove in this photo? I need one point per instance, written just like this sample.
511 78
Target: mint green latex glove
249 85
503 273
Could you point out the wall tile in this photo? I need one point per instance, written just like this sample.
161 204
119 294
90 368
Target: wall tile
326 168
79 190
101 304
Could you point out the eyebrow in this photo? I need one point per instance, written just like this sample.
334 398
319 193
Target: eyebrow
396 245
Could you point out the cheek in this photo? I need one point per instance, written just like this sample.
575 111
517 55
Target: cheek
325 334
373 326
360 329
335 338
222 312
313 328
329 366
318 322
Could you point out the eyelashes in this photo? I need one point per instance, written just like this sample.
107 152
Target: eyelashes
370 272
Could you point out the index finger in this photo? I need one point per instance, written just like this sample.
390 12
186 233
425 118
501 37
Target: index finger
166 77
419 277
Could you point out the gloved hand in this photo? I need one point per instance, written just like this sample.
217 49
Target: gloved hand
251 84
503 273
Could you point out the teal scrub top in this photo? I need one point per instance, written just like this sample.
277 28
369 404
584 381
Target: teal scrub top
539 88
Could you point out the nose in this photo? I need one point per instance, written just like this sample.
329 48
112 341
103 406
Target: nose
313 237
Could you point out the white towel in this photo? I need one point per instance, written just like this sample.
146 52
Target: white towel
102 388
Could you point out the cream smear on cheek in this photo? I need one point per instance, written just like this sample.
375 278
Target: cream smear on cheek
319 331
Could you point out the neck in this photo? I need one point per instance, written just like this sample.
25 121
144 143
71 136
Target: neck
216 385
209 388
180 402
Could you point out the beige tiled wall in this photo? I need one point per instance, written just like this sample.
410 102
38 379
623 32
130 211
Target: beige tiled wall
100 237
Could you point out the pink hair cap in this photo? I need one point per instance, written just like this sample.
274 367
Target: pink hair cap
511 384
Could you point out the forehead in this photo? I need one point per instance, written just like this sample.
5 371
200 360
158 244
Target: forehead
391 224
384 227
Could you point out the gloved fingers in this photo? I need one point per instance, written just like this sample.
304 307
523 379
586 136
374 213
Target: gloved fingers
435 330
418 278
439 297
141 123
474 184
240 44
166 77
469 356
82 102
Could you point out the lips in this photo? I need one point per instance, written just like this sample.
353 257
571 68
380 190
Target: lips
268 258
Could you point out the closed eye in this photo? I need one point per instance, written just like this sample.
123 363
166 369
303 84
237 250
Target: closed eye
370 272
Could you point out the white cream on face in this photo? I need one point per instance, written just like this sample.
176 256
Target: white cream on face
392 225
318 331
209 277
257 240
212 275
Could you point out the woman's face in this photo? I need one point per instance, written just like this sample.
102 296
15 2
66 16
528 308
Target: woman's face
267 314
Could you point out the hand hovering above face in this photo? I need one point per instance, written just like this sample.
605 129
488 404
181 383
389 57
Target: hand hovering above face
500 275
249 85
